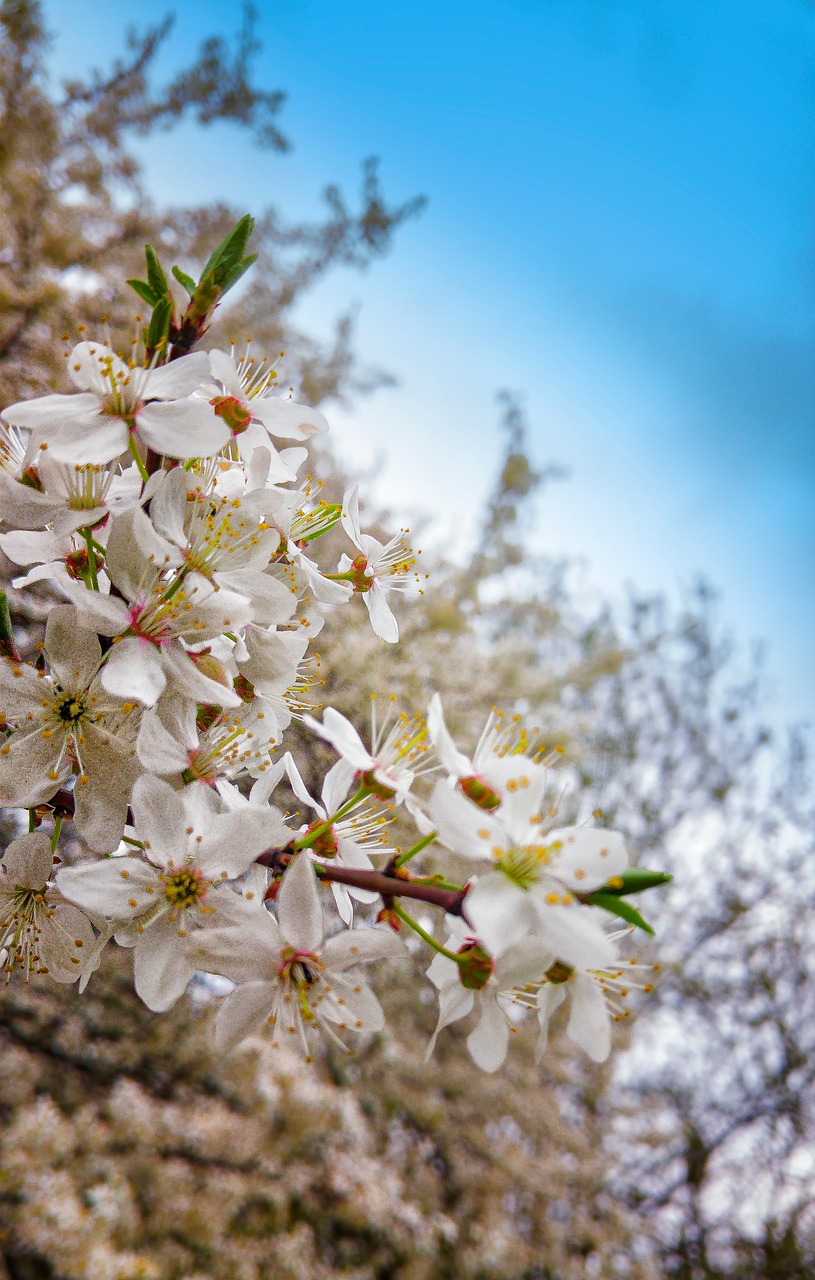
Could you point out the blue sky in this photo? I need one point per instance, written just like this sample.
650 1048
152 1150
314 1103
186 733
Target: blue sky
620 227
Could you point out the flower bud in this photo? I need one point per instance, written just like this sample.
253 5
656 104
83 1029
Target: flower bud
388 916
475 966
480 792
212 668
77 563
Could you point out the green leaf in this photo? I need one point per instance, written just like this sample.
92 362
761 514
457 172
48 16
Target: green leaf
159 327
155 272
185 280
230 250
635 880
609 902
242 267
144 291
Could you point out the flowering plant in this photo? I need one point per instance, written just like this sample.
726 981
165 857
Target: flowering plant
163 500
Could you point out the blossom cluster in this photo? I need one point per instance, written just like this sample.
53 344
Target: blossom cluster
169 501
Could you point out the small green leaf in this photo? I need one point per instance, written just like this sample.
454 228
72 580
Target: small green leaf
159 327
235 274
185 280
230 251
155 272
635 880
144 291
610 902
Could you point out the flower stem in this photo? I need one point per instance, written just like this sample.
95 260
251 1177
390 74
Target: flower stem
89 543
57 829
8 645
428 937
137 458
414 849
306 841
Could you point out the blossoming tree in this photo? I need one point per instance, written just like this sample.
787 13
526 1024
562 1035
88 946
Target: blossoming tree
165 498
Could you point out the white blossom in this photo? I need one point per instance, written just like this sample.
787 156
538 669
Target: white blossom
288 976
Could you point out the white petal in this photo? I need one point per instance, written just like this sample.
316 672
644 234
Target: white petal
299 909
158 750
25 762
574 934
73 654
343 737
462 826
182 428
350 516
249 945
101 802
488 1042
351 1004
160 968
595 852
178 378
134 670
242 1012
161 819
27 861
501 913
454 762
362 946
289 420
66 942
110 887
168 505
383 622
589 1024
550 998
455 1002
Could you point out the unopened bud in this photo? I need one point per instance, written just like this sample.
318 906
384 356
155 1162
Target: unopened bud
480 792
212 668
76 562
389 917
475 966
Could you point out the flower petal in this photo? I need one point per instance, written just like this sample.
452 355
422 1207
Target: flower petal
299 909
489 1041
242 1012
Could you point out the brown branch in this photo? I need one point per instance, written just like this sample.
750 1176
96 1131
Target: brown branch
388 884
381 882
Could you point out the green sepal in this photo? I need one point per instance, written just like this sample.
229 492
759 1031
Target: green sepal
159 328
635 880
330 519
610 902
155 272
8 647
184 279
144 291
